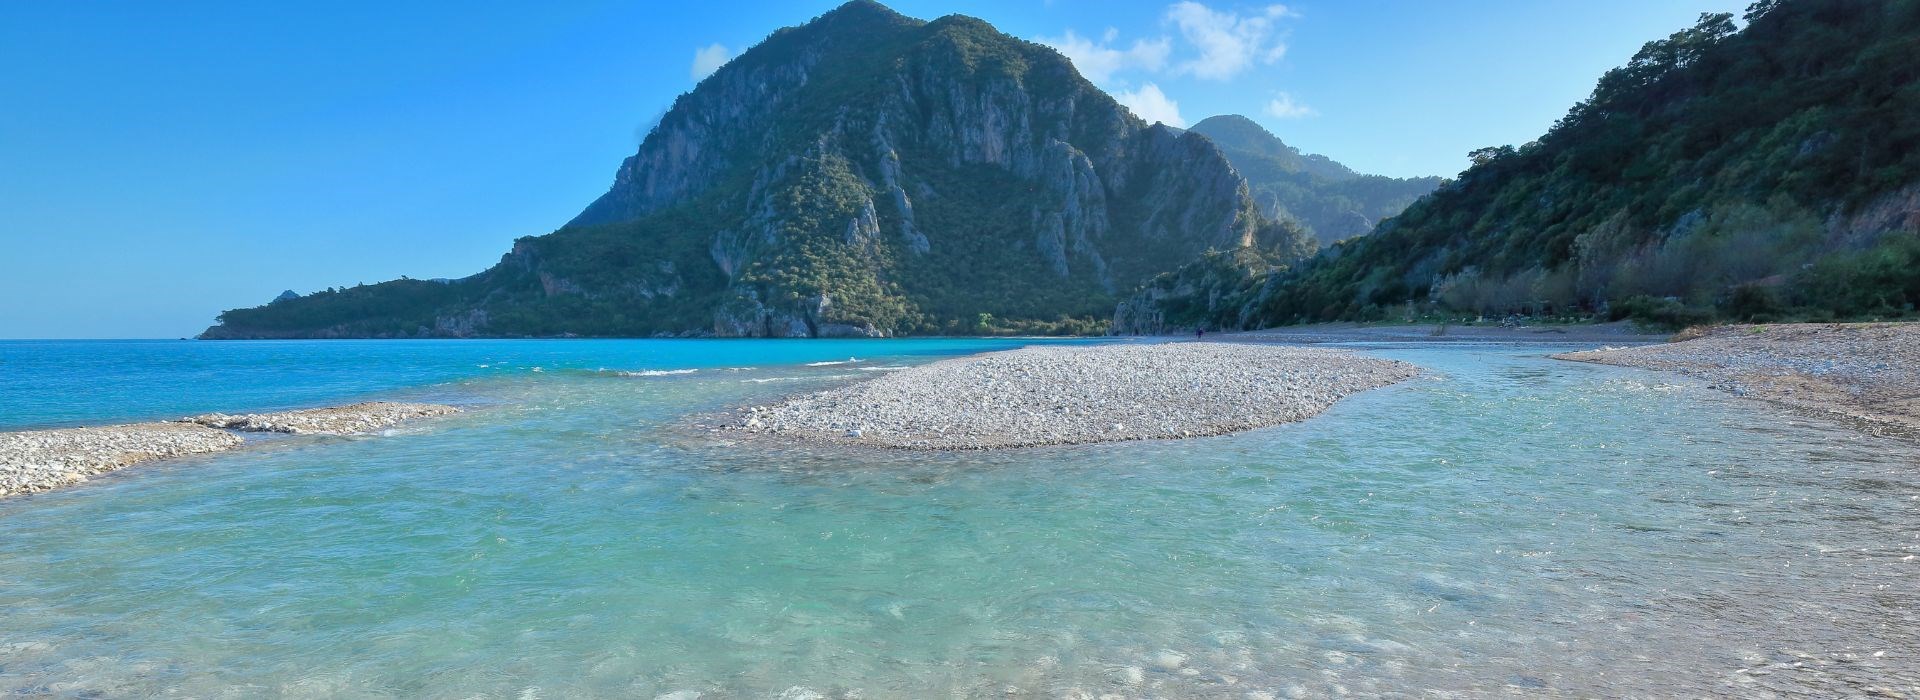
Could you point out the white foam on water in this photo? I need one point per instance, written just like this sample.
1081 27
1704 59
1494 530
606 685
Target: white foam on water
847 361
656 372
763 380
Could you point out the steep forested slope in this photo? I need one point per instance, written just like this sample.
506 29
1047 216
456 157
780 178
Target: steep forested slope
1756 172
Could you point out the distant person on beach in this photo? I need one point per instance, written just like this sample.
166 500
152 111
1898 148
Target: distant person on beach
1199 333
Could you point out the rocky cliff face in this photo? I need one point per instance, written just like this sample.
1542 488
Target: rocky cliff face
864 174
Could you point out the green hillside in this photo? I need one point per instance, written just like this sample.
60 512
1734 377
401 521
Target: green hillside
1765 167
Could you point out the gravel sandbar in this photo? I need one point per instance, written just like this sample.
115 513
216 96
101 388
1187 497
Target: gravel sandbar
338 420
1074 395
1869 372
39 460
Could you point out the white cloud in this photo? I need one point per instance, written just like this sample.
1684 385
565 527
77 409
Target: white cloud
1284 107
708 60
1099 61
1226 42
1151 104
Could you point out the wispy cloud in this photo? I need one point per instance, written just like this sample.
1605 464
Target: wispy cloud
1212 44
1228 43
707 60
1100 60
1151 104
1283 106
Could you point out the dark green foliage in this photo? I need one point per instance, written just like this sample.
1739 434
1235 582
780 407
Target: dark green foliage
1664 313
400 307
1880 282
1720 173
987 262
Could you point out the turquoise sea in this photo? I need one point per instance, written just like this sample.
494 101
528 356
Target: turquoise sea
1504 525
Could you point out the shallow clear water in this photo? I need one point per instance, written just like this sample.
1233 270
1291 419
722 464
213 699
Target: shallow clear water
1505 524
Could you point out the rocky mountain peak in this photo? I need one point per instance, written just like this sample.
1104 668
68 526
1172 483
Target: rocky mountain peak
867 174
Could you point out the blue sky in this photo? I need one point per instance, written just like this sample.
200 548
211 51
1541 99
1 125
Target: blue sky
161 162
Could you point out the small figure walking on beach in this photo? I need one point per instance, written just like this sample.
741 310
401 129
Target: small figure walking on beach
1199 333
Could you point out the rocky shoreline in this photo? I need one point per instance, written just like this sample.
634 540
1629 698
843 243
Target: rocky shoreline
1868 373
40 460
1075 395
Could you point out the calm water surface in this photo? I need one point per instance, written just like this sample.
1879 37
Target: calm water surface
1507 524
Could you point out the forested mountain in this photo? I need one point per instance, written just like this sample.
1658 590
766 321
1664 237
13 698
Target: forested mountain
1330 200
1750 173
863 174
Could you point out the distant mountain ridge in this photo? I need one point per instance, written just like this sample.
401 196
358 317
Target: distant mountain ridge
1331 200
864 174
1237 134
1754 173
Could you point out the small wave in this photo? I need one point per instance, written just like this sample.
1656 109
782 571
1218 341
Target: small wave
847 361
763 380
889 368
656 372
537 369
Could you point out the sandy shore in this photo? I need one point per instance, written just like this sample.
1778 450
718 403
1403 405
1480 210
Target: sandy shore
39 460
1869 372
1074 395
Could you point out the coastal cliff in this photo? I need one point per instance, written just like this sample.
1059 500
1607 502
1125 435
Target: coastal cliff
865 174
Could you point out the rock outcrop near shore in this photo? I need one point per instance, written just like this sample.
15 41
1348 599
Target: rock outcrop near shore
1074 395
1866 371
40 460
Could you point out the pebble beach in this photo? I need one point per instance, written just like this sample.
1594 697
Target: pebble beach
338 420
1075 395
1867 372
40 460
